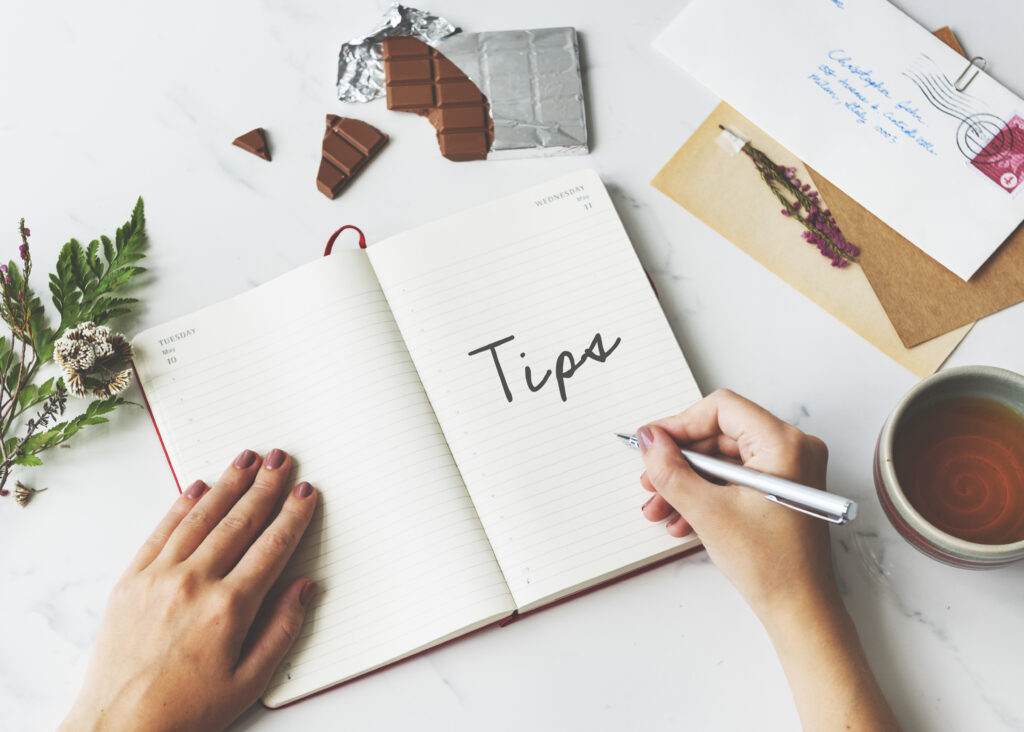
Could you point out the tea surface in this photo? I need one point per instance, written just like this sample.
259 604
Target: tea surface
960 463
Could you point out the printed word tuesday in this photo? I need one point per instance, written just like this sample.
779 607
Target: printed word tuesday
177 337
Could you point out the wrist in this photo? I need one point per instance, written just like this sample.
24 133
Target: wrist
92 712
823 660
78 720
814 606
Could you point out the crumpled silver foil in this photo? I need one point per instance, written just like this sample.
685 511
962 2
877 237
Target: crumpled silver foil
360 65
533 83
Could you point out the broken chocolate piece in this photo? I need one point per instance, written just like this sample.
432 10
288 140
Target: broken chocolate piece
349 144
254 141
421 80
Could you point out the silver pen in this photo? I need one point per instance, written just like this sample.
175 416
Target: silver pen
812 501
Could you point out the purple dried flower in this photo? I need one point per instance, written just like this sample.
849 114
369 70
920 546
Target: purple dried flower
23 250
820 227
28 232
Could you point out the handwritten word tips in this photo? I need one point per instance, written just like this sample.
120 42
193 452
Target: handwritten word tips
566 365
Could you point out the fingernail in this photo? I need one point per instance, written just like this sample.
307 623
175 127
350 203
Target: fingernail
647 503
307 592
303 490
275 459
644 438
195 490
245 459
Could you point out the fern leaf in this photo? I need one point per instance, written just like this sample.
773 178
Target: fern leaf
87 278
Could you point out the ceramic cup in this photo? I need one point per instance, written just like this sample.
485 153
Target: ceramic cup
965 381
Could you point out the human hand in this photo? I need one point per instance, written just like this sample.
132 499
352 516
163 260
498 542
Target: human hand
779 559
773 555
189 639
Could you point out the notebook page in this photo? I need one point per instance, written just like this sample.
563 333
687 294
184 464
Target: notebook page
313 362
539 273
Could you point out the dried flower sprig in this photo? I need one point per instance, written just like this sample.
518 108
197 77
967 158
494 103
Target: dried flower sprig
23 494
802 204
86 289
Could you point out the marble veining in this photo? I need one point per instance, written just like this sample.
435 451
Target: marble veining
107 101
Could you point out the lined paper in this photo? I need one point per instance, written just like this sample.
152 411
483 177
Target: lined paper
313 363
558 495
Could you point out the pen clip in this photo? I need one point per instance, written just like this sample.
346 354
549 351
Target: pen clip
831 518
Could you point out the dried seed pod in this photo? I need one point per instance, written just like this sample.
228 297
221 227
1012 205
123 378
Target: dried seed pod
94 360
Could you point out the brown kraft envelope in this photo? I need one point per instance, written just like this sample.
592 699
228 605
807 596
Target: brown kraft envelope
724 190
921 297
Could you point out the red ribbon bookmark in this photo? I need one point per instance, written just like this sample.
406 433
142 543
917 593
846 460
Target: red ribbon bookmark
334 236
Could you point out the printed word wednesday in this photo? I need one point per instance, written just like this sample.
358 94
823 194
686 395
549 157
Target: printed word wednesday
565 366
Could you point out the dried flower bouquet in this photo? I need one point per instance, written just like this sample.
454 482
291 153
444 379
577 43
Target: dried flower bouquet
94 361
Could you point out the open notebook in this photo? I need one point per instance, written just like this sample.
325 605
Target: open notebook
453 393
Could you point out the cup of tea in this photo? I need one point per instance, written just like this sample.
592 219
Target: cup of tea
949 466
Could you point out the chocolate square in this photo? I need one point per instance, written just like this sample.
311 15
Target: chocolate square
409 69
410 96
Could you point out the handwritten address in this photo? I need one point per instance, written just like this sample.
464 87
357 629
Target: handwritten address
870 101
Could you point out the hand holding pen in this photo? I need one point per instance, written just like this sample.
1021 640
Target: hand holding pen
780 560
794 496
760 547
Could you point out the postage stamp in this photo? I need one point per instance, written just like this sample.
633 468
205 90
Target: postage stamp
1002 157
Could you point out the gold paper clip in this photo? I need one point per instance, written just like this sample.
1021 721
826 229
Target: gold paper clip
960 84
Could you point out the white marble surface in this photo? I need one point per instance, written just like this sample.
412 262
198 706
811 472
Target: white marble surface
105 100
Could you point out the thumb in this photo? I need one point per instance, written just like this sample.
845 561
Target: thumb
670 473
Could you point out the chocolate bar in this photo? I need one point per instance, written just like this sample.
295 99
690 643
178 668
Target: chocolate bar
349 144
421 80
532 80
254 141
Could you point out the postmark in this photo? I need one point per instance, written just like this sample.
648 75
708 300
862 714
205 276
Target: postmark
989 143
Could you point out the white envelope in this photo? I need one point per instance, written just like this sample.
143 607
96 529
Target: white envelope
867 97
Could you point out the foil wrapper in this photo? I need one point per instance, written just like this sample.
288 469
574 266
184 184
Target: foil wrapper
532 80
360 65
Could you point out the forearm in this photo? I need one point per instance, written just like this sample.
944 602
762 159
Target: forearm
828 673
